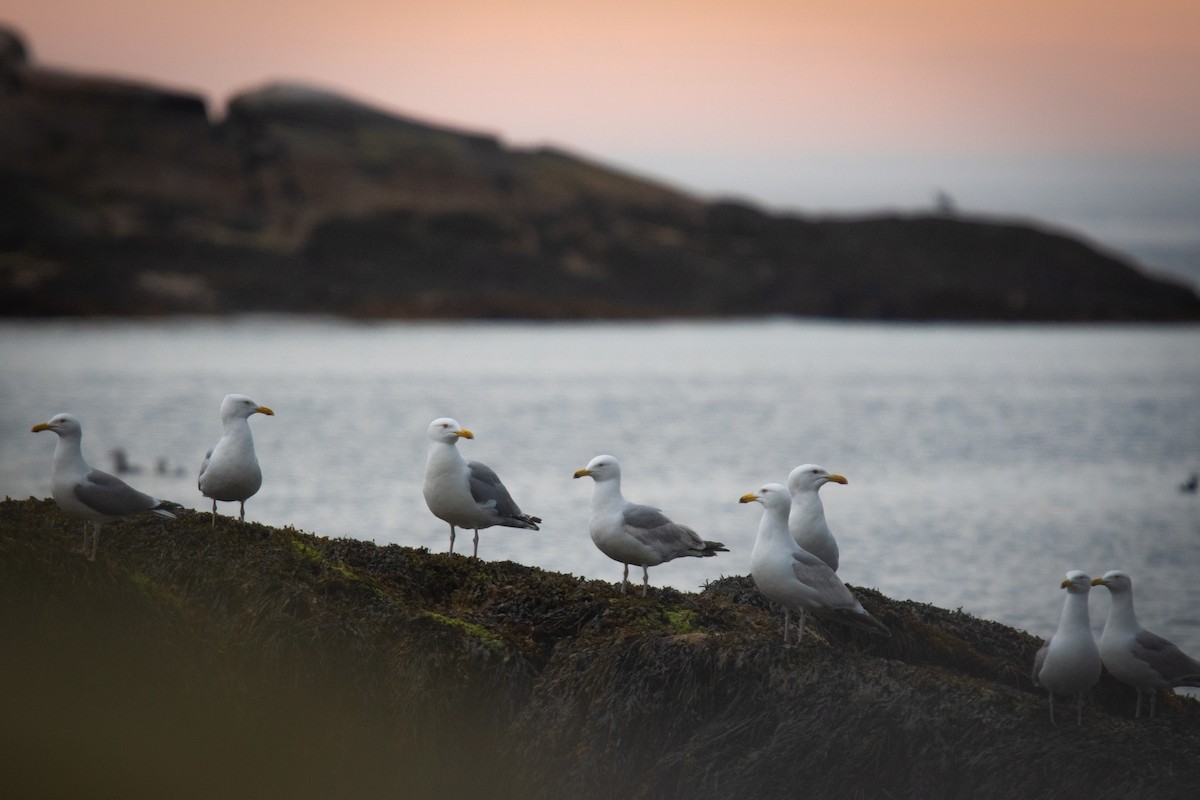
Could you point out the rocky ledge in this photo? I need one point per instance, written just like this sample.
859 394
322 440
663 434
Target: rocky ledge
244 661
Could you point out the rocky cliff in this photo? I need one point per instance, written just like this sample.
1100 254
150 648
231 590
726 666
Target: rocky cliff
193 661
118 198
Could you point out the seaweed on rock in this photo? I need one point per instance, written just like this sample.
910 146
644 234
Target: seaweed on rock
247 661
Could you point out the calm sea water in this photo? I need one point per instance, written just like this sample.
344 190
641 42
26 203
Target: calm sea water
984 462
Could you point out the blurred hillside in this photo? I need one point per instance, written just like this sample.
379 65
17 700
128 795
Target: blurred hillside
127 199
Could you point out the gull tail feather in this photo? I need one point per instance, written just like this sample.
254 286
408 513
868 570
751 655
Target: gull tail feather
858 619
166 508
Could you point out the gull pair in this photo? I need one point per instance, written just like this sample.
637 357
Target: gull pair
1069 662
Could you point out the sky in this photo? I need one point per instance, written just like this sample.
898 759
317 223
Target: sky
1084 113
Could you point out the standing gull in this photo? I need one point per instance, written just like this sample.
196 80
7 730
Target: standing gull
1134 655
464 493
806 520
632 533
794 577
1069 663
230 470
84 492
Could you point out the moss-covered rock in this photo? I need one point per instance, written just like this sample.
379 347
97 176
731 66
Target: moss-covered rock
239 661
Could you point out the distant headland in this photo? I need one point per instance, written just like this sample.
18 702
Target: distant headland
119 198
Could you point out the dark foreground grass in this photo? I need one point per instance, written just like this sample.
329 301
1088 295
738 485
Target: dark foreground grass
192 662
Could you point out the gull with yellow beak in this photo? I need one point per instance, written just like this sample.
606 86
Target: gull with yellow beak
230 470
1069 663
806 520
1134 655
633 533
795 578
466 494
97 497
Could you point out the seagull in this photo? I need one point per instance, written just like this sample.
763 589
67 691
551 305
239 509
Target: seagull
466 494
795 578
1134 655
636 534
806 520
230 470
89 493
1069 663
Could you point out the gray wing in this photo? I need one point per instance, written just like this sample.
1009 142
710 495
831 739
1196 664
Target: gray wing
204 464
1166 659
111 495
489 492
813 572
1038 660
653 528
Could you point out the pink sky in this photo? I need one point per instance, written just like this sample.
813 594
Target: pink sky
857 74
766 98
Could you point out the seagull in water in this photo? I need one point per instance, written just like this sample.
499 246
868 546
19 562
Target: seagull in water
466 494
795 578
636 534
806 520
84 492
230 470
1134 655
1069 663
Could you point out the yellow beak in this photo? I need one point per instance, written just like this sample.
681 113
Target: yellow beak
265 410
1067 583
1097 581
835 478
579 473
749 498
41 426
464 433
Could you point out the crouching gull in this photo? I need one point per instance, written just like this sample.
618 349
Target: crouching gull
466 494
230 470
795 578
1134 655
1069 663
632 533
806 520
89 493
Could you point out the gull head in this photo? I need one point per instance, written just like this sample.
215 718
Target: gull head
601 468
238 405
1077 582
447 431
61 424
810 477
772 496
1115 580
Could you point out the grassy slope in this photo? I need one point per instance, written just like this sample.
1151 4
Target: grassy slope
239 662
